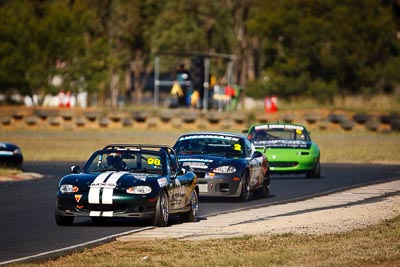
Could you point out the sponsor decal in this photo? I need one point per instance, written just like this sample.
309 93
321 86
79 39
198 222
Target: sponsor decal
215 136
142 177
279 126
78 198
195 159
6 153
162 182
103 185
195 165
282 144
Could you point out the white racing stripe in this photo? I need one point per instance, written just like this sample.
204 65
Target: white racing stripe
95 213
108 213
94 192
108 191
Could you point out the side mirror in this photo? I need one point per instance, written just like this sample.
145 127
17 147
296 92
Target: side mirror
75 169
257 154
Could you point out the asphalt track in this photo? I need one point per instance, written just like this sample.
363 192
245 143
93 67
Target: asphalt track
28 230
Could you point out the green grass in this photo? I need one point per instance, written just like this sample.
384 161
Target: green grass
335 146
374 246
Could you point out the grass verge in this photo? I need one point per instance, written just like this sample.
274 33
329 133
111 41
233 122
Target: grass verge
335 146
374 246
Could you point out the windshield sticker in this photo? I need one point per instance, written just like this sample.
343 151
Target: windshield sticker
162 182
212 136
279 126
237 147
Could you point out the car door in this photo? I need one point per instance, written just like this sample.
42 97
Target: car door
255 165
179 186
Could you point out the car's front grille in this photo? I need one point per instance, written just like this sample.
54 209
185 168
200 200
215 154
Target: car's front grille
200 174
283 164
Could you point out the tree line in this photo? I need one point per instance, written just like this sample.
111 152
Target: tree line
288 48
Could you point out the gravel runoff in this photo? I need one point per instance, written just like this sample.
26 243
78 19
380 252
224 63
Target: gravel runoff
334 213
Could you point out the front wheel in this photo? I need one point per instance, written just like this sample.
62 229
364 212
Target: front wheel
64 220
316 173
162 210
192 214
245 194
265 186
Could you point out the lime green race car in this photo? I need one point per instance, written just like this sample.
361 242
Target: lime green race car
288 148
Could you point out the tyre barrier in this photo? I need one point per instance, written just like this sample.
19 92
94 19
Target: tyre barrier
192 119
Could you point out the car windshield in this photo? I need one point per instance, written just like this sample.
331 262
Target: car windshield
210 144
289 133
124 160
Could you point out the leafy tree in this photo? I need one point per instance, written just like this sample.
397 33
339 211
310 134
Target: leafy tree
344 44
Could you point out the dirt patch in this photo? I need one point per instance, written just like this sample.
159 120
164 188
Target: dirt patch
21 176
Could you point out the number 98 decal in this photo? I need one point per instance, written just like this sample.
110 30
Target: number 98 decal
154 161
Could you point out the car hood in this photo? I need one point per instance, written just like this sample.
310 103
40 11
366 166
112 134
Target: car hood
205 161
8 146
289 144
114 179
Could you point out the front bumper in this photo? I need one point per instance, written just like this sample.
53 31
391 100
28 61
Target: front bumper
122 206
219 185
300 165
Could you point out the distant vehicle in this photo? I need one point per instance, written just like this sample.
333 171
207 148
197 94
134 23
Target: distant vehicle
226 164
288 147
10 155
130 181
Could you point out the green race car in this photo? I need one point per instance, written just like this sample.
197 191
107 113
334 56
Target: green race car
288 148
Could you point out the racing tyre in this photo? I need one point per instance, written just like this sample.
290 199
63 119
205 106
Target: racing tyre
192 214
265 187
245 194
64 220
162 210
316 173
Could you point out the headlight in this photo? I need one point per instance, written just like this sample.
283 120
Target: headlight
68 188
225 169
140 190
17 151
